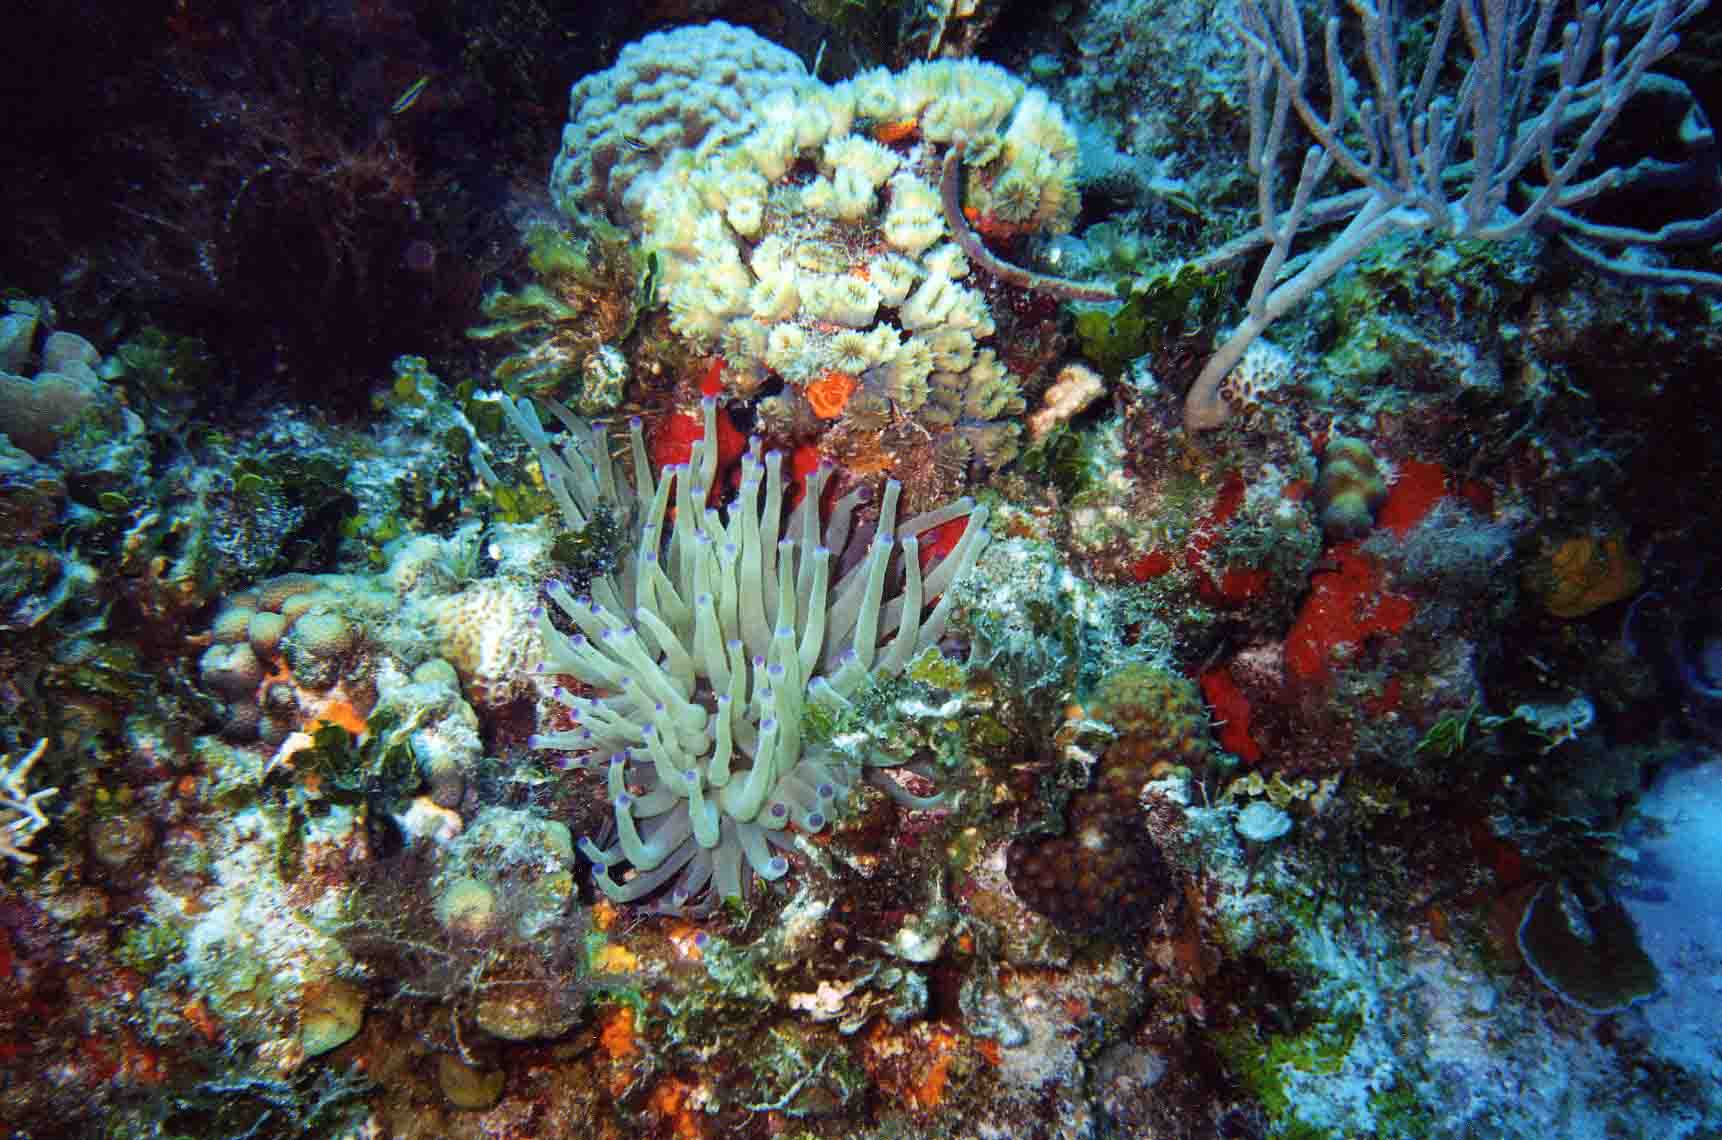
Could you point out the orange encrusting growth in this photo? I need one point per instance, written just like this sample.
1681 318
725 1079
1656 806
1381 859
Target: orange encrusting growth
620 1047
1221 585
198 1015
989 225
615 959
896 131
1231 713
1349 604
940 541
339 710
671 1101
803 461
711 380
913 1067
1417 486
830 393
673 441
685 937
616 1034
1346 606
1585 573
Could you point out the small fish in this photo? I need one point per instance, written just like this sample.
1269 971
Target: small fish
410 95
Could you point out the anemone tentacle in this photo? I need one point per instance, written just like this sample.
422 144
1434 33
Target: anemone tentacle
707 642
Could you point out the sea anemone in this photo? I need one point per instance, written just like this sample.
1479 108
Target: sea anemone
710 640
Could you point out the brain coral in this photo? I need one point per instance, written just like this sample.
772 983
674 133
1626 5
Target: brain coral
708 643
665 93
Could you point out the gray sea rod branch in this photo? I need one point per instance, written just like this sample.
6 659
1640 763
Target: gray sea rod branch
1509 110
951 197
1699 168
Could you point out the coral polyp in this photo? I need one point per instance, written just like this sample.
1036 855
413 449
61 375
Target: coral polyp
712 640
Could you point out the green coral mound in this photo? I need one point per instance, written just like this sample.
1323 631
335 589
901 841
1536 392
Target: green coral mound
712 640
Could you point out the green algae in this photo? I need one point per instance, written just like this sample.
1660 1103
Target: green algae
1162 307
150 947
937 671
1264 1065
1060 459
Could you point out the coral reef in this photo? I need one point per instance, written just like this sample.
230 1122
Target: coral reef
378 759
665 93
1582 574
1105 874
570 321
39 409
285 656
1075 388
1583 946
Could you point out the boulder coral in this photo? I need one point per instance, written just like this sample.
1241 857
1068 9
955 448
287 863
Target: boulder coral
805 235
